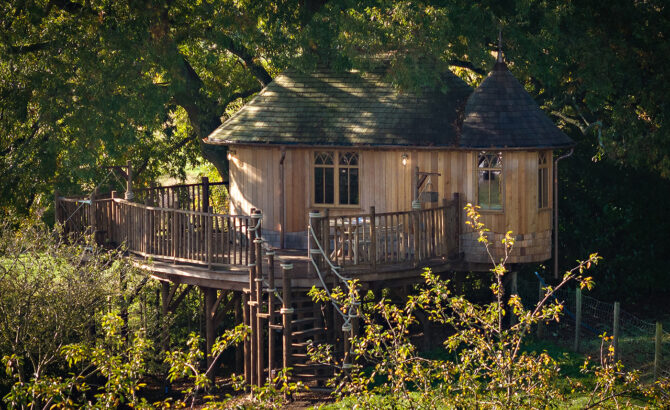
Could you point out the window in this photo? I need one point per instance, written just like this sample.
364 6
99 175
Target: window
489 180
542 180
336 178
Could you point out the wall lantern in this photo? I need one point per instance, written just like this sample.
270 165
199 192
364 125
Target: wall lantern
403 158
231 154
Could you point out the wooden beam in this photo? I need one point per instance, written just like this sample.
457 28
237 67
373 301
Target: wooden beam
174 304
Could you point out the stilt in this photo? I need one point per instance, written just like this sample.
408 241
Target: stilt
165 304
247 341
271 313
239 350
286 312
210 299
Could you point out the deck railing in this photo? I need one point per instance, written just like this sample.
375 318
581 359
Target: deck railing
392 237
174 234
175 229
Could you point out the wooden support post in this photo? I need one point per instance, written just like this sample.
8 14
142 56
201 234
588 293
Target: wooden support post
578 317
252 309
615 331
325 239
373 239
540 324
246 310
286 312
165 303
209 222
258 288
456 229
658 340
239 350
210 336
271 313
346 335
416 225
513 290
204 201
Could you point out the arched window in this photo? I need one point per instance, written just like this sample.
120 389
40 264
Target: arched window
336 178
489 181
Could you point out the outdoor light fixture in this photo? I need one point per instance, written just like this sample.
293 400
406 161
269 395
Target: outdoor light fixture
403 158
231 154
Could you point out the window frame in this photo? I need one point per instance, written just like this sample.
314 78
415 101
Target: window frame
336 166
479 170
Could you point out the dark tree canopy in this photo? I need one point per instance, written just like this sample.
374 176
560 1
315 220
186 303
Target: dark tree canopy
90 83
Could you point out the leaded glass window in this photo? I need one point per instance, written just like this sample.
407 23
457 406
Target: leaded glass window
489 180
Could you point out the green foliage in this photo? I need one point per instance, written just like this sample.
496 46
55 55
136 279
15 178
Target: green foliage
486 365
51 292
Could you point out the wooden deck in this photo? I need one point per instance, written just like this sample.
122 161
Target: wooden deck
172 235
176 236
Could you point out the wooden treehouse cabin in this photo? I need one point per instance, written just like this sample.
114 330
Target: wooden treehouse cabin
335 176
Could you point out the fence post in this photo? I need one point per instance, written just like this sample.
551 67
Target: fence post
540 323
615 330
373 238
204 201
578 317
657 349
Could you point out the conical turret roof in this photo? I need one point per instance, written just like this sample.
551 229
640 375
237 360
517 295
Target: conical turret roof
501 114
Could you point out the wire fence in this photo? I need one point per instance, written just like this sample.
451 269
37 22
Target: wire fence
635 339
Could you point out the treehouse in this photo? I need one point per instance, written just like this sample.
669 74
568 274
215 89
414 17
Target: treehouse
336 176
353 147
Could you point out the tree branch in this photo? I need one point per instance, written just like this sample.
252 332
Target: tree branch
250 62
468 65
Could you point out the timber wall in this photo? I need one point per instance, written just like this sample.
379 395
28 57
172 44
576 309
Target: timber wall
388 186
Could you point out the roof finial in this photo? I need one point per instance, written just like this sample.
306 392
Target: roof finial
500 53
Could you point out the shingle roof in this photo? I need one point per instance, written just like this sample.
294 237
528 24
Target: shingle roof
501 114
329 108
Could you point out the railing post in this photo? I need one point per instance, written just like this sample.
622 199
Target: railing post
204 201
325 237
113 219
175 233
373 238
315 218
286 312
209 222
416 208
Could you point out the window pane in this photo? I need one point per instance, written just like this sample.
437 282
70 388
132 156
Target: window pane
330 186
353 186
323 158
495 179
318 185
344 186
